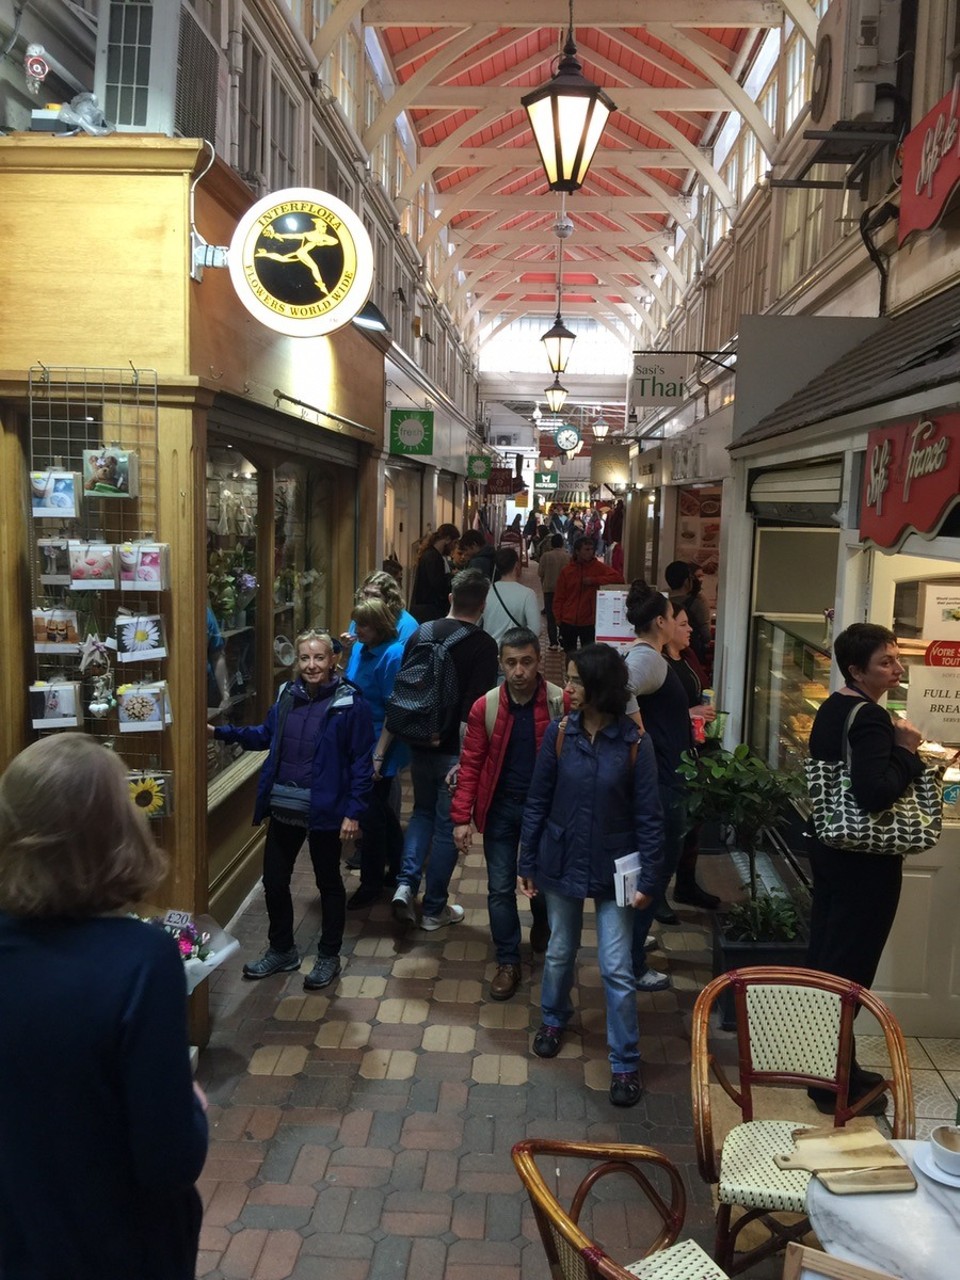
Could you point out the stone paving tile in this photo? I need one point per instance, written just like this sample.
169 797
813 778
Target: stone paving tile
364 1133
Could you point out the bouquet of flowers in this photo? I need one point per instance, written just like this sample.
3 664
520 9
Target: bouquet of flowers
193 944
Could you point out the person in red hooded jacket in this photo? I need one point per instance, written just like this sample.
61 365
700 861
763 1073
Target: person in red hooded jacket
575 598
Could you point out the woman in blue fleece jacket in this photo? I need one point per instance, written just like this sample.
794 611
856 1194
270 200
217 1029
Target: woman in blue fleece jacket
590 802
102 1132
313 786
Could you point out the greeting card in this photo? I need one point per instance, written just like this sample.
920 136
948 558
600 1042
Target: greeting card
110 473
144 708
152 792
140 637
54 494
55 631
93 566
144 566
54 706
54 562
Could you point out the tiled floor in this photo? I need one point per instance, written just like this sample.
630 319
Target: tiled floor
364 1132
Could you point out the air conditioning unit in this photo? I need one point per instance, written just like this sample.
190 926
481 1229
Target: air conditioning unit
505 440
857 47
159 70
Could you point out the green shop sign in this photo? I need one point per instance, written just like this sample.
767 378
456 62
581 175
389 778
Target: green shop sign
478 466
411 431
545 481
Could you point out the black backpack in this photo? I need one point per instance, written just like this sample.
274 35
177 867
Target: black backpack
425 702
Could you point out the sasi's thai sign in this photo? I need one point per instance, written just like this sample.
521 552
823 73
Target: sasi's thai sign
912 478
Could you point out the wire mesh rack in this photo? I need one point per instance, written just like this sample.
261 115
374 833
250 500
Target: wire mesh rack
94 441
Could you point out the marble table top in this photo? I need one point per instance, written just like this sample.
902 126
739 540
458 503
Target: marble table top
911 1234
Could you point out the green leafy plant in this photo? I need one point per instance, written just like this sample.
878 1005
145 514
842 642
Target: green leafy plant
741 790
770 917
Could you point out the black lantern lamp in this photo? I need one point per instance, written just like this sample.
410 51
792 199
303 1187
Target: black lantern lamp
567 115
556 395
558 342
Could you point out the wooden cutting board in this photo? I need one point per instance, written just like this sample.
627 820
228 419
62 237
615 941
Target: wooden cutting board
860 1145
849 1182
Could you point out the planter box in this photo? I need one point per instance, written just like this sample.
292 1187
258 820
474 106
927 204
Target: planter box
728 955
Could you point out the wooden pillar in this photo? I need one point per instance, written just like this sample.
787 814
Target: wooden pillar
16 669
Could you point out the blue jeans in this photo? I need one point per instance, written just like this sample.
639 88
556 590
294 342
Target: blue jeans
673 832
429 838
614 939
501 839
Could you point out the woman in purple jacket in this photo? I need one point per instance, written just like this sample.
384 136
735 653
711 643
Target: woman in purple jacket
313 786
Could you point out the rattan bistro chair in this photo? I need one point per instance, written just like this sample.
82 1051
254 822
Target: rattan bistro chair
573 1255
794 1028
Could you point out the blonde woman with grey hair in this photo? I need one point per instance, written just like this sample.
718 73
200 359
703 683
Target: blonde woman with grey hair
314 785
102 1132
381 585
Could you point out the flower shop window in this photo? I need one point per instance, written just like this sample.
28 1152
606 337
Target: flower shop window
233 597
304 499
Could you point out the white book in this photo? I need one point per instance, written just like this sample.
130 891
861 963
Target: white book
626 874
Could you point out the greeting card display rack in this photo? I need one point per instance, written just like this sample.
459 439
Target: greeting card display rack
73 411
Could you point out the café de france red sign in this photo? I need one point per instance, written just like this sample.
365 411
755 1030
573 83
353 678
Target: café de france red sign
911 480
931 166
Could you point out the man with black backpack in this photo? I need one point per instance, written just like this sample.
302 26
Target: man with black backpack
447 665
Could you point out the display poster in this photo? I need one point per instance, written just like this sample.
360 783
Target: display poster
940 609
933 703
500 480
612 626
698 533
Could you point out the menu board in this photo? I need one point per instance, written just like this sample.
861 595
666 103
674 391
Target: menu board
698 533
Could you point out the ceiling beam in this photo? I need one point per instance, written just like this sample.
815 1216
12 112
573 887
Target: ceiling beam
458 97
590 13
529 157
407 92
425 168
336 24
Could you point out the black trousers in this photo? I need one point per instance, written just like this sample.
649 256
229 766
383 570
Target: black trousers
283 844
855 897
382 846
569 635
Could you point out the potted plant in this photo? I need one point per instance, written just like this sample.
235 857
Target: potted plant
741 791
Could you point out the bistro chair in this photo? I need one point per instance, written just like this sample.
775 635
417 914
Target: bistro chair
802 1263
794 1028
574 1256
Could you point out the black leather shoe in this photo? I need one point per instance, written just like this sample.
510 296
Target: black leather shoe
826 1102
666 916
625 1089
546 1043
694 896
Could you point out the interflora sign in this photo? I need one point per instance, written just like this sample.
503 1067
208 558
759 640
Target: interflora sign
931 166
301 262
912 478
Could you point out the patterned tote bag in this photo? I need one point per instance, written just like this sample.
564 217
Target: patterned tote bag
912 823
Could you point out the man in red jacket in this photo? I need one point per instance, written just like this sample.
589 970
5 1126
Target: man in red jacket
504 731
575 598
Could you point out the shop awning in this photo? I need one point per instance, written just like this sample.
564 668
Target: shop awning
917 350
798 495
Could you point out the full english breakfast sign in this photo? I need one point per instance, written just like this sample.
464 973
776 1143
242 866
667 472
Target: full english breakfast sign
912 479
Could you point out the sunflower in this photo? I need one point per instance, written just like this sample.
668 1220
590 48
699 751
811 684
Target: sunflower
141 634
147 794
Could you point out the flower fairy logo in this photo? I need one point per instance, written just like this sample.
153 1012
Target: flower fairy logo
301 262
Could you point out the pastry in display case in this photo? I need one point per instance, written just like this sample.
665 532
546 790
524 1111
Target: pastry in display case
791 678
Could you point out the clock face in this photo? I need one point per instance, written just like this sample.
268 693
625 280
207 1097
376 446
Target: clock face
567 438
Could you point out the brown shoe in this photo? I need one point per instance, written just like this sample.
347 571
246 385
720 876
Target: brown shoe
505 982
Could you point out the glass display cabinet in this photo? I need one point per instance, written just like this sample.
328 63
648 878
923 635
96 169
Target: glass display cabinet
791 677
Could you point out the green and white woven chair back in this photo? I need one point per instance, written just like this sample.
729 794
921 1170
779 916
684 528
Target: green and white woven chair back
795 1029
572 1263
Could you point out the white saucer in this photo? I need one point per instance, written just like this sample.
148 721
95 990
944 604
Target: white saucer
923 1157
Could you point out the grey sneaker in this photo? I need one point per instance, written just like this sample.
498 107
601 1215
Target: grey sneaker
323 973
404 911
451 914
273 962
653 980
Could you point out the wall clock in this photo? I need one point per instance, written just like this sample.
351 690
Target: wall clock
566 438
